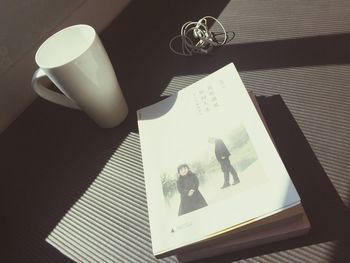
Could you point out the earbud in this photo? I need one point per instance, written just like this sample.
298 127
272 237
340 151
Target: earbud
200 30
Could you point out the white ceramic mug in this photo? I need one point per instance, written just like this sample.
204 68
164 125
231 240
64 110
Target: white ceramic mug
75 60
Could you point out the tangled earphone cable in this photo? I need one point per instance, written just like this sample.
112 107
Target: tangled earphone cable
192 31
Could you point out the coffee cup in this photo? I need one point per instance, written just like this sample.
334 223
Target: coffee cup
75 60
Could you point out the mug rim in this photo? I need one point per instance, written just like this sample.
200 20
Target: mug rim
43 44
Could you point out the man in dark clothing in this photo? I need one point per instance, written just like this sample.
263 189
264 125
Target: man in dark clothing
222 155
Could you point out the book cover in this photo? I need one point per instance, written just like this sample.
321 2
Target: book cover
209 163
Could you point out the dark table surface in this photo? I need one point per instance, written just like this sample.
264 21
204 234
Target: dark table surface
69 186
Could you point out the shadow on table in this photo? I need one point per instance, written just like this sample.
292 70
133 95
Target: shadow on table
51 155
141 49
326 211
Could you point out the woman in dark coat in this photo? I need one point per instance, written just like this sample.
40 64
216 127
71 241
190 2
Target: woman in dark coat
187 184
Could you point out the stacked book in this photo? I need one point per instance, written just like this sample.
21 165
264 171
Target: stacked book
215 182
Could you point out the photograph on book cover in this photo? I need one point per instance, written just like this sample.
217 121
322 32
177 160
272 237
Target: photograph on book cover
207 157
208 169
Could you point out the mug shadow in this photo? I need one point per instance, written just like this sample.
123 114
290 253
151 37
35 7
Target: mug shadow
50 156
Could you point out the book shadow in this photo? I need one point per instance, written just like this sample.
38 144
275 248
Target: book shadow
326 211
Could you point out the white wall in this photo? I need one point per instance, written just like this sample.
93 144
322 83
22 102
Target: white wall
15 89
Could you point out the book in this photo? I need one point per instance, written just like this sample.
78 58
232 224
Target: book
289 223
295 226
214 180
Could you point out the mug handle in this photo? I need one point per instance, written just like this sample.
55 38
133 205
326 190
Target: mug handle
50 95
